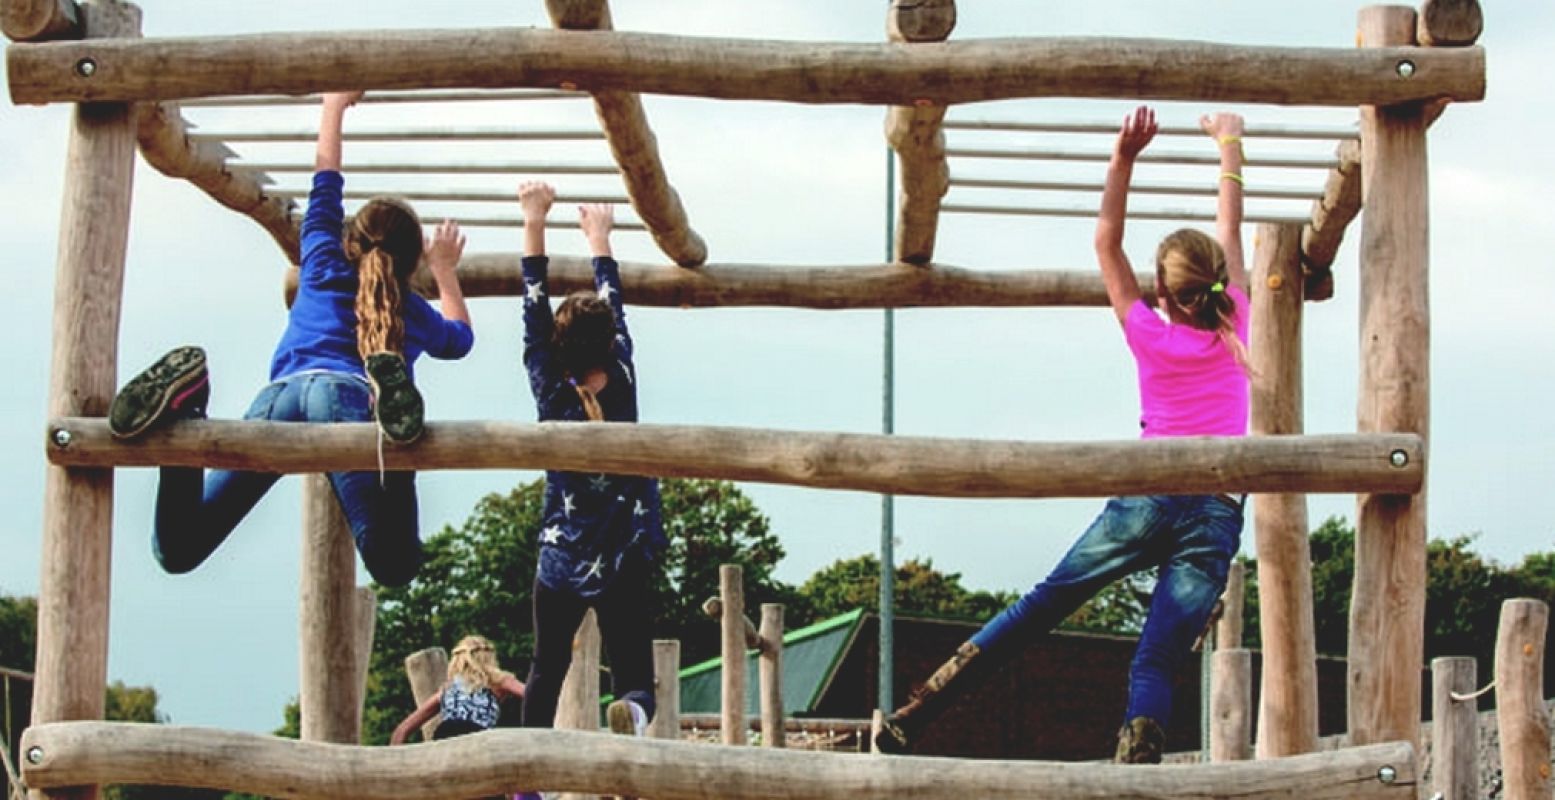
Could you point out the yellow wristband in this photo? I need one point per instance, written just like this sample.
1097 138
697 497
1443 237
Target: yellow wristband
1229 139
1233 176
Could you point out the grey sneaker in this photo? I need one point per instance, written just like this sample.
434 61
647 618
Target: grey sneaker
177 386
396 403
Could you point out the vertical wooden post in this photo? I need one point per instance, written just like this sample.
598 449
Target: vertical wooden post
364 620
731 593
578 708
771 675
1522 718
666 689
1230 704
1233 601
327 698
1287 722
72 661
916 134
427 670
1387 610
1454 729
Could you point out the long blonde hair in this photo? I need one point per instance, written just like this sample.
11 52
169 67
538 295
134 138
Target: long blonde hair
474 663
384 242
1190 268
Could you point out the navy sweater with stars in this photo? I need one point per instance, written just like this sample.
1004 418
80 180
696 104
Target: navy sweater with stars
594 525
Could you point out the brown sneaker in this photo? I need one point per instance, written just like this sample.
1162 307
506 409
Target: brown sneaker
1140 741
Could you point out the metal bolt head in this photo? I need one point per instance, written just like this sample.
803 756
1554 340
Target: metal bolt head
62 437
35 755
1406 69
1387 774
1398 458
86 67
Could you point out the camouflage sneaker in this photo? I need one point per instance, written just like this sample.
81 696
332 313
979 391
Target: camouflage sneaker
396 403
1140 741
177 386
892 738
627 717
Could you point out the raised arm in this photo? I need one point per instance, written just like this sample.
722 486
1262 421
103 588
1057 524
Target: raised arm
535 199
597 220
421 716
335 105
443 254
1226 129
1116 272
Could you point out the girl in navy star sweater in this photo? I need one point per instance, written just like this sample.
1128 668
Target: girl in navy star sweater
600 534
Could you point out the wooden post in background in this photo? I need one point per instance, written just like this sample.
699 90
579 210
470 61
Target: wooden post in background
1233 602
364 619
73 596
770 667
1230 705
1454 729
427 670
328 697
1449 23
666 689
1287 719
917 135
731 593
1522 718
1387 609
578 707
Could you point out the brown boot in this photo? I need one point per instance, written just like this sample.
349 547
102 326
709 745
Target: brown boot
1140 741
899 732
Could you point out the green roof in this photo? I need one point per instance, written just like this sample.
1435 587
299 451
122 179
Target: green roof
810 657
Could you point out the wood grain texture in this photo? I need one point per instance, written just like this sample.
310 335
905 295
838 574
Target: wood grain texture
1449 23
734 69
930 466
578 708
915 132
1231 705
666 690
1454 729
732 625
1331 215
166 145
635 148
498 761
40 20
1287 722
1387 609
329 697
1229 628
770 675
1522 718
427 670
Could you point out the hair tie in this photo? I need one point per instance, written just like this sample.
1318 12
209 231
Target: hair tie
1217 287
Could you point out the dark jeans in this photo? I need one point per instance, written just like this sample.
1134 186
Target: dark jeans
1192 538
625 626
196 511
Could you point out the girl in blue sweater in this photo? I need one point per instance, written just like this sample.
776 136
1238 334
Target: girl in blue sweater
352 335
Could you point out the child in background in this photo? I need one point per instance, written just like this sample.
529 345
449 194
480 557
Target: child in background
470 699
351 337
600 533
1193 381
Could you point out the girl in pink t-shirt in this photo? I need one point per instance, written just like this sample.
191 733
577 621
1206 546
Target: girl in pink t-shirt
1191 349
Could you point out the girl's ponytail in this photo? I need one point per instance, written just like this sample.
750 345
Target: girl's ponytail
384 242
1191 268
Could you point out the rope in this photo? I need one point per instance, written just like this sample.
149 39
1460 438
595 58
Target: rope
1464 698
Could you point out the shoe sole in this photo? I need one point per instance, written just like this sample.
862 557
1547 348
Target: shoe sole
397 405
146 397
892 740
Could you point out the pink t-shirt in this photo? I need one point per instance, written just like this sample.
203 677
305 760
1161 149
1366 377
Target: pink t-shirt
1189 382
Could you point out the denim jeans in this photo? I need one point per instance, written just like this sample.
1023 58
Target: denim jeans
1192 538
196 511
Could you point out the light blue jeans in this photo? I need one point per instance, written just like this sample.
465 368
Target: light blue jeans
196 511
1191 538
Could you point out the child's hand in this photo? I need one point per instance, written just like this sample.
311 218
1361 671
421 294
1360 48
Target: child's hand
1138 130
444 250
342 100
1222 125
535 198
596 220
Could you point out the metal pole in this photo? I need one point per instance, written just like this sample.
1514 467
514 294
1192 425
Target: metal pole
887 504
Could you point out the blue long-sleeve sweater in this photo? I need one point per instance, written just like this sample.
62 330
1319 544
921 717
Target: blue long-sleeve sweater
593 525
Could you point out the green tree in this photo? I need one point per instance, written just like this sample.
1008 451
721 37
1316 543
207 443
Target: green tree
921 590
18 632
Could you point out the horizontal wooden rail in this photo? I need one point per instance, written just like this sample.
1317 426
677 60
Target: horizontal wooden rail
1206 189
504 760
387 97
406 168
409 135
15 674
812 725
828 287
1147 157
801 72
861 462
1310 132
455 195
1170 215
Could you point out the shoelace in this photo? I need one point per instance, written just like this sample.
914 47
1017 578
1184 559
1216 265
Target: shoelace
382 478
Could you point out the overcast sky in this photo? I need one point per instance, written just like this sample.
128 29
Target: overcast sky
785 184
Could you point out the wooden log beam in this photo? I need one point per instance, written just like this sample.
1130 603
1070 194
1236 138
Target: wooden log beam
821 287
635 147
166 144
77 538
1288 722
497 761
732 69
41 20
914 465
1387 608
1454 729
1331 214
1522 718
915 133
1449 23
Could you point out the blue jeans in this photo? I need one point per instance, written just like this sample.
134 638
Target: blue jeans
196 511
1192 538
